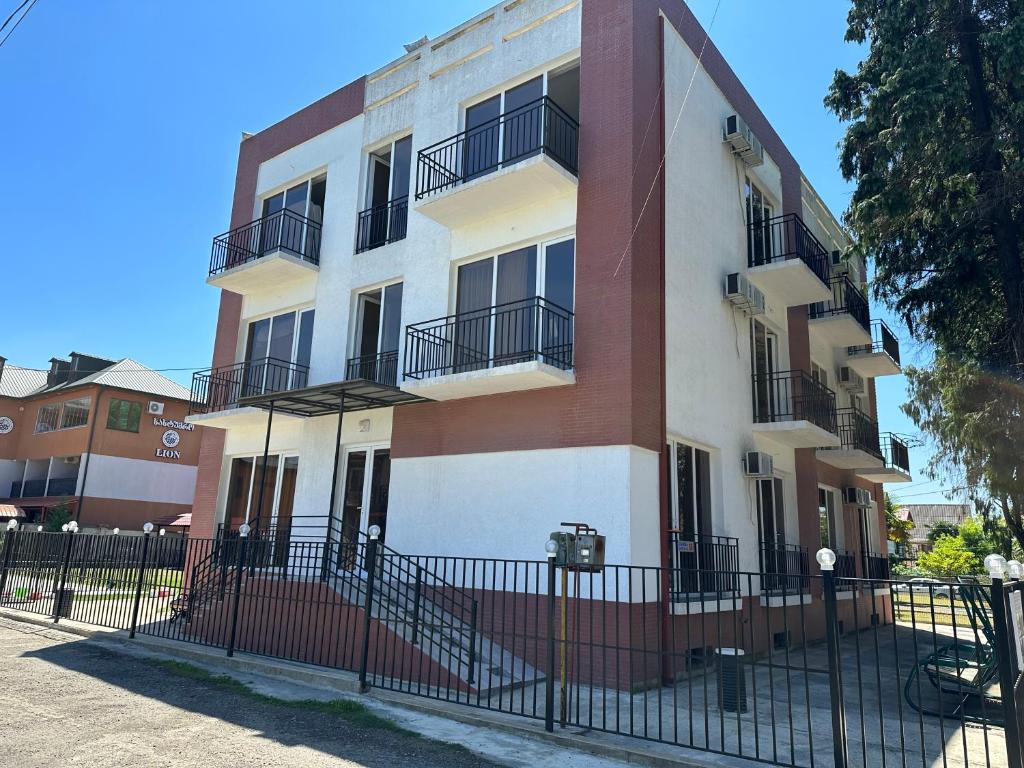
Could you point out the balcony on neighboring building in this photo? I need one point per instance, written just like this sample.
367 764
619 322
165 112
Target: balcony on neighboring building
787 262
785 569
792 408
505 163
280 248
382 224
519 345
879 358
705 568
845 319
43 487
895 464
381 368
218 394
859 446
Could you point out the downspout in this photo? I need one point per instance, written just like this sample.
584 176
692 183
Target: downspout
88 451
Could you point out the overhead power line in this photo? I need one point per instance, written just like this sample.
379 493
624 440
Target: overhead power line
31 4
13 14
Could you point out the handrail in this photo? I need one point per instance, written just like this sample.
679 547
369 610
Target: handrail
894 451
380 367
539 127
883 340
282 230
382 224
858 431
793 396
703 563
215 389
847 299
785 237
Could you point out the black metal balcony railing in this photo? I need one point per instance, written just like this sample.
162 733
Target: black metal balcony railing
882 340
62 486
217 389
876 566
786 237
382 224
845 568
847 299
894 451
703 565
785 568
793 396
858 431
381 368
540 127
516 332
281 231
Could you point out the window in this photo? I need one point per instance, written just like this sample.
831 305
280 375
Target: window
387 196
759 228
48 418
278 352
819 374
289 231
75 413
771 511
764 347
828 525
124 415
698 556
378 333
510 308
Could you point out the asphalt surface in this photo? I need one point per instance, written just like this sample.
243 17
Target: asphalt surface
65 701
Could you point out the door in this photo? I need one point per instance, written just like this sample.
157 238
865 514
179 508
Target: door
363 498
764 363
483 138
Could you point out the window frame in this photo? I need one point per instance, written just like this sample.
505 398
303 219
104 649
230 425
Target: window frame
282 457
131 404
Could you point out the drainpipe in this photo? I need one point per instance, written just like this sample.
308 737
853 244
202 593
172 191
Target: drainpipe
88 451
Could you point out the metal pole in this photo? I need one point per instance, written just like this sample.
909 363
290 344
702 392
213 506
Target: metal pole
263 473
59 596
549 680
243 535
416 607
371 572
472 643
1006 676
564 626
334 486
835 683
139 582
9 542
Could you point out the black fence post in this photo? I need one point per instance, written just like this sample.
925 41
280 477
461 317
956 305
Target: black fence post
370 561
243 541
59 595
472 644
549 680
835 679
10 540
1004 647
139 583
416 606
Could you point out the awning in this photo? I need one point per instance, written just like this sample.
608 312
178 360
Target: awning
174 521
323 399
46 502
9 511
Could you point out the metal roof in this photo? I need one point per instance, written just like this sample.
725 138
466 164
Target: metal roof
925 516
129 374
21 382
325 399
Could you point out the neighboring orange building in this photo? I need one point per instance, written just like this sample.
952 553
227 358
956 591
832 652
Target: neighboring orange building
107 438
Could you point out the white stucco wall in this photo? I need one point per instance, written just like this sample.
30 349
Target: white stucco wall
115 477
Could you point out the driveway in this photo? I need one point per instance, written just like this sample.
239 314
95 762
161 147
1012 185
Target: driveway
72 702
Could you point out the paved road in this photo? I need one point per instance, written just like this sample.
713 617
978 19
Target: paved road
69 702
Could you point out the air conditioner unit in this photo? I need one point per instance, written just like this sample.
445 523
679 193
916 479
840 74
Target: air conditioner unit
71 459
742 142
744 295
850 380
757 464
858 497
155 408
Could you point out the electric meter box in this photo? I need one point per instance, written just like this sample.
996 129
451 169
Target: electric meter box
565 555
589 552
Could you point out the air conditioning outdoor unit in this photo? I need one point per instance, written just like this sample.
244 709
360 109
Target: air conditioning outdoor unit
758 465
744 295
850 380
858 497
155 408
742 141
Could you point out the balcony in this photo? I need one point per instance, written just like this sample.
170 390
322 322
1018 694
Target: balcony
879 358
859 445
793 409
517 346
787 262
516 159
785 569
704 568
845 570
844 320
895 466
382 224
381 368
876 567
57 486
218 394
280 248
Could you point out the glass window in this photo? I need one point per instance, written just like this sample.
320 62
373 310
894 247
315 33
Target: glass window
75 413
48 417
827 519
124 415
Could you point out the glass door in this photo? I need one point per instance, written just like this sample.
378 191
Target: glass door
363 499
764 362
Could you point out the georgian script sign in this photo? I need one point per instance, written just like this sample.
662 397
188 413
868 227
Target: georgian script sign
173 424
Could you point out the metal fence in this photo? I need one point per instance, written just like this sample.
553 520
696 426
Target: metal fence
837 672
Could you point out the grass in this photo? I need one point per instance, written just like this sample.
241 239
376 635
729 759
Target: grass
352 711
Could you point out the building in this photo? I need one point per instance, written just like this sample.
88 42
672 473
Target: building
926 517
463 298
105 438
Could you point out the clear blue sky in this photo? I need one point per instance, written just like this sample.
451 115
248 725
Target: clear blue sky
120 130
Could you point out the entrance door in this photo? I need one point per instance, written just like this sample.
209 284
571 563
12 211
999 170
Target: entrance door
363 498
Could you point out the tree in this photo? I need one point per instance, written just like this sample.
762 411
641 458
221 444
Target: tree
948 559
935 143
56 517
942 528
897 529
